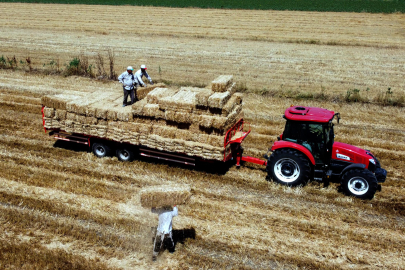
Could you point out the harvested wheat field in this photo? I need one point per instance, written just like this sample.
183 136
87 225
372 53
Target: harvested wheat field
63 208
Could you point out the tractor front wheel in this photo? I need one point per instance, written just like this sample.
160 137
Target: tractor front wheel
359 183
289 167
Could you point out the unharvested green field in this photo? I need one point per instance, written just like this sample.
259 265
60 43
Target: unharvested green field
371 6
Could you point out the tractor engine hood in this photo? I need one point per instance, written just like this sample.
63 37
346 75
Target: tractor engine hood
352 154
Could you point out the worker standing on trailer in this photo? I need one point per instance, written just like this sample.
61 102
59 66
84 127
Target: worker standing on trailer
128 81
164 230
140 73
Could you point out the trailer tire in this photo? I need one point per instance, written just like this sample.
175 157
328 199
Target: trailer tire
288 167
125 154
359 183
101 150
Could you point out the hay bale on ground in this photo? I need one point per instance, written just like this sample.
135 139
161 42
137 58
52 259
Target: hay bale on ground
221 83
165 195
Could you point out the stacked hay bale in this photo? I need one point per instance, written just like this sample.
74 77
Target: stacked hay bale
165 195
188 120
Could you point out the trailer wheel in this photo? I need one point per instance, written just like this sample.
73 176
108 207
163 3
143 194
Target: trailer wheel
359 183
288 167
101 150
125 154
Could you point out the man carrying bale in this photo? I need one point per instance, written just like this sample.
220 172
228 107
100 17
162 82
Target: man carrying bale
164 230
128 81
159 198
140 73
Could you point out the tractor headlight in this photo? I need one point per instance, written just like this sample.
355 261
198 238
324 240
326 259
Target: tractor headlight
371 165
372 160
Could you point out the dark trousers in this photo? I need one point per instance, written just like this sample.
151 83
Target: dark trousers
163 240
131 93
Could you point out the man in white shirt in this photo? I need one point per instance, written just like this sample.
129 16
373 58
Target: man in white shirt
164 230
128 81
140 73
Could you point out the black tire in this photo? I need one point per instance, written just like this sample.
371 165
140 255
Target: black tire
359 183
289 167
125 154
101 150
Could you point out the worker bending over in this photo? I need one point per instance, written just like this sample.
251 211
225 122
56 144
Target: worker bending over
164 230
140 73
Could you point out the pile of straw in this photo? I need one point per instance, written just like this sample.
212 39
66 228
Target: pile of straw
165 195
188 120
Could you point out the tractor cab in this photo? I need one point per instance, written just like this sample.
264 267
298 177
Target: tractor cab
313 129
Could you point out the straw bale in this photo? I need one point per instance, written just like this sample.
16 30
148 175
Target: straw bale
48 122
137 107
125 114
60 114
49 112
78 127
145 129
165 131
59 101
219 99
112 115
178 117
90 121
235 100
71 116
213 140
86 129
102 122
154 96
184 99
221 83
69 126
165 195
206 121
202 97
81 119
152 110
142 92
219 122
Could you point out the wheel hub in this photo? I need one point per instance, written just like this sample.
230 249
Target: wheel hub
287 170
358 185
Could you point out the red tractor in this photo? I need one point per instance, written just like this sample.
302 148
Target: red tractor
306 150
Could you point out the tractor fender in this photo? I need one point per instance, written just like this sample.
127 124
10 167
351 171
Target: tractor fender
353 166
296 146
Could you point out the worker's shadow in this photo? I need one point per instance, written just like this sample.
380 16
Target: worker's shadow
180 236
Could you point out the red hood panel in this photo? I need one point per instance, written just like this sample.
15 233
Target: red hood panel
349 153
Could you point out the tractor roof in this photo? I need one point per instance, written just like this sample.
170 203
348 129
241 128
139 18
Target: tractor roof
310 114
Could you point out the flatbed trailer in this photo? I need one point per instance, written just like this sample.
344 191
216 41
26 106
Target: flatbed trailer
126 151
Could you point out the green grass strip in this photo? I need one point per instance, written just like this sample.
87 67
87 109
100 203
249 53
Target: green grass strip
370 6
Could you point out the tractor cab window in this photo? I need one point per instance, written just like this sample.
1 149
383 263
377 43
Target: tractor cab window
312 136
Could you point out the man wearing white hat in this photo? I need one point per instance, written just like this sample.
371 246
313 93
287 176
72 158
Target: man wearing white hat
140 73
128 81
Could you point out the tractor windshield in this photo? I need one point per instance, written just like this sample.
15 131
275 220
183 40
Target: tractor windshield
316 137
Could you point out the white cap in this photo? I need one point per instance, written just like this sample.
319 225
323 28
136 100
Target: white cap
143 67
129 68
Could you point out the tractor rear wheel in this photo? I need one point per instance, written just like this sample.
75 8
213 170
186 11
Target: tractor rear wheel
289 167
359 183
